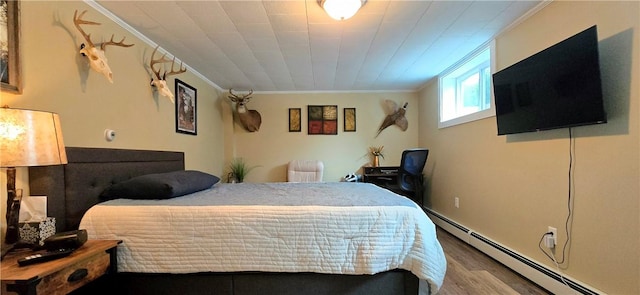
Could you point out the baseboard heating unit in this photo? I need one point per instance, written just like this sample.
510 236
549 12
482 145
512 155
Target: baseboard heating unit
532 270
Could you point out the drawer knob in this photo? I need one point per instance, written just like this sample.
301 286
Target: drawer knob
77 275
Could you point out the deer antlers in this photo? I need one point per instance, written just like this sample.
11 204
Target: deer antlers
235 98
97 59
161 60
159 81
77 20
121 43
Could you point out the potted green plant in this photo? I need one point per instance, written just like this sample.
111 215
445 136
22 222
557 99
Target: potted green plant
238 170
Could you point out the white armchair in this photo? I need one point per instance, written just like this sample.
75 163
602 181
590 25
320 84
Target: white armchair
305 171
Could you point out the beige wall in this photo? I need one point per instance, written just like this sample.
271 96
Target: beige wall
56 78
512 187
274 146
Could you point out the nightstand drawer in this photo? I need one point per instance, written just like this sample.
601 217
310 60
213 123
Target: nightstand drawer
74 276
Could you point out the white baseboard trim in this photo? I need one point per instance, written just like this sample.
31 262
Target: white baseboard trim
530 269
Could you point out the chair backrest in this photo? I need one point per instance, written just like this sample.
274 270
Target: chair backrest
411 166
305 171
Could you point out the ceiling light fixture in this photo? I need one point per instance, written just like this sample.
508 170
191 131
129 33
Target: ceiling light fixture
341 9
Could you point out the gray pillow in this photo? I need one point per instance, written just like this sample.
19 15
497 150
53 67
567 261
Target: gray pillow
160 185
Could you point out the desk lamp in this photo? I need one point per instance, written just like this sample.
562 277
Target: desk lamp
27 138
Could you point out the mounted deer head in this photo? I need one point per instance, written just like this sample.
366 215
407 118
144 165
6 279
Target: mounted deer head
160 81
250 119
97 59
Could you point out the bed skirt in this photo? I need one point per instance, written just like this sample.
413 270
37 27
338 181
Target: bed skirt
393 282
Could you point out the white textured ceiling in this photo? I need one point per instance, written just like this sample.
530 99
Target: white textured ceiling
282 45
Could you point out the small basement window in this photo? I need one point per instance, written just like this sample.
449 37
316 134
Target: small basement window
466 92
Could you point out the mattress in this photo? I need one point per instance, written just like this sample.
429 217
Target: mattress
337 228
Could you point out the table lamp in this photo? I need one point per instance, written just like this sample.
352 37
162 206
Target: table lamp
27 138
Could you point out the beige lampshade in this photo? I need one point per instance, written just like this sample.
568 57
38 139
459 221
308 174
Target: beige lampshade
30 138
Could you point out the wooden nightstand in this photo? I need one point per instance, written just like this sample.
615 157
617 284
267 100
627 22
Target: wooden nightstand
61 276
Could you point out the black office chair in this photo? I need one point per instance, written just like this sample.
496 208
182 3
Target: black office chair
410 179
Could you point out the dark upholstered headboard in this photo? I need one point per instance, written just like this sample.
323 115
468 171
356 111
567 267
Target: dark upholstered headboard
73 188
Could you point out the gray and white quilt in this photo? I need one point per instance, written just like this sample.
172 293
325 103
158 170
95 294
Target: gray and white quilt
337 228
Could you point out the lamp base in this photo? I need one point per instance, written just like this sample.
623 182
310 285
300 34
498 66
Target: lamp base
14 197
6 248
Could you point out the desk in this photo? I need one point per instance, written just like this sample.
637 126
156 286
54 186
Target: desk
386 177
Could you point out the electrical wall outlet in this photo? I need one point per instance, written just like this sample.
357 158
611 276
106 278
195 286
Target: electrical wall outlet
456 202
553 239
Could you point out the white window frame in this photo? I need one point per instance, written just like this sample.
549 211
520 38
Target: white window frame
491 111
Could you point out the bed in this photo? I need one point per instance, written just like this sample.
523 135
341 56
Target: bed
319 238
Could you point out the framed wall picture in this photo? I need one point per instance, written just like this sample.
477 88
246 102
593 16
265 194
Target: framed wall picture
349 119
322 119
295 120
10 79
186 108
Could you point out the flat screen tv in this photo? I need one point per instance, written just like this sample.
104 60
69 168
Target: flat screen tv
555 88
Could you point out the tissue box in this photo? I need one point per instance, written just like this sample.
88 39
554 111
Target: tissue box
35 232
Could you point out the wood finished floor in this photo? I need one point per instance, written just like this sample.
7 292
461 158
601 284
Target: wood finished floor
470 271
